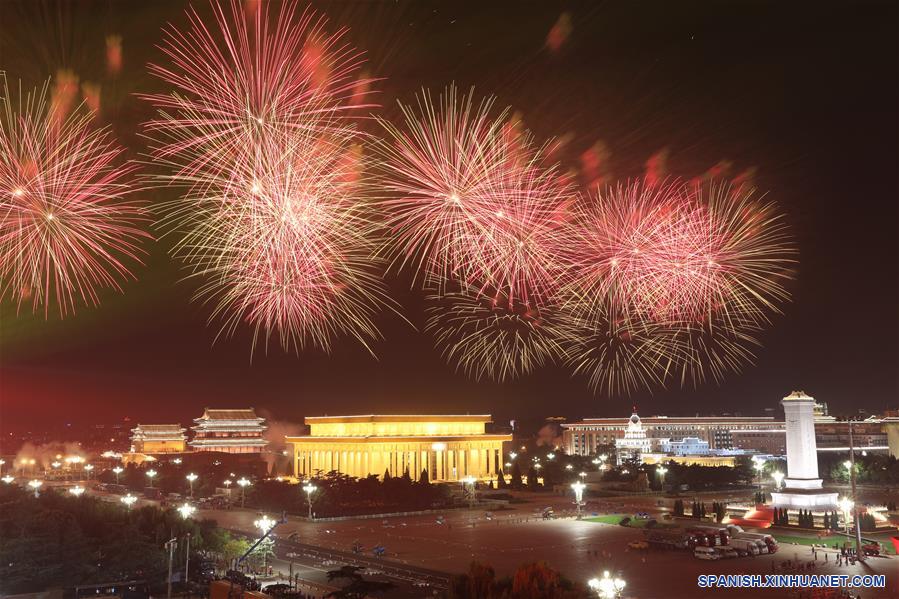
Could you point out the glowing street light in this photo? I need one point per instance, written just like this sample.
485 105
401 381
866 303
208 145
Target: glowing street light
129 500
569 467
55 465
88 468
759 466
578 489
846 505
2 462
186 510
35 484
662 471
190 479
607 587
176 461
7 479
244 483
310 489
778 477
151 474
512 455
265 524
469 484
77 490
117 471
550 456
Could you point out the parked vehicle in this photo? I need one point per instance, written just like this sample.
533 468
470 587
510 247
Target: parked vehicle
726 551
747 546
769 541
707 553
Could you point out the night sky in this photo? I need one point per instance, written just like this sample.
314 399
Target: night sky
805 93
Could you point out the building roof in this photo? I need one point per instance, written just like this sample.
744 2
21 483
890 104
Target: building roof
160 428
799 395
400 418
228 414
649 420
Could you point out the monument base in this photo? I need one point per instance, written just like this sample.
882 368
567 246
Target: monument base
805 499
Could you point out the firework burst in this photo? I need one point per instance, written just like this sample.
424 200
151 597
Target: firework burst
491 337
68 225
471 202
273 217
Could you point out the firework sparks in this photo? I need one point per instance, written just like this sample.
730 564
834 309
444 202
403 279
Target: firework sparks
67 223
491 337
273 217
472 204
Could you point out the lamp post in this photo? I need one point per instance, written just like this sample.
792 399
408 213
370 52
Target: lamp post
88 468
2 462
512 455
186 510
77 490
151 474
265 524
578 489
170 545
309 488
607 587
662 471
129 500
469 485
35 484
190 479
117 471
244 483
778 477
7 479
846 505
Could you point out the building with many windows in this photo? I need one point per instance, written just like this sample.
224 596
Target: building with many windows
448 447
587 436
229 431
158 438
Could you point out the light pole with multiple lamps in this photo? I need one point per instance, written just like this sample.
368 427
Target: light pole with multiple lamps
117 471
36 485
662 471
578 489
469 484
129 500
77 490
265 524
190 479
244 483
778 477
8 479
607 587
151 474
310 489
846 505
88 468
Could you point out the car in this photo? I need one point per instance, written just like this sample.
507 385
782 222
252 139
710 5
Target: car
638 545
292 555
421 583
641 516
707 553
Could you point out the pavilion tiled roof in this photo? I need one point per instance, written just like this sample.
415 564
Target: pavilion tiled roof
161 428
229 414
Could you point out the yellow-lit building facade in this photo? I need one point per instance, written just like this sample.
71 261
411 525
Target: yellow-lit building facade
158 438
449 447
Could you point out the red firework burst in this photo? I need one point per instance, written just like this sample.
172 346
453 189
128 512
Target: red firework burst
677 253
472 203
67 223
272 218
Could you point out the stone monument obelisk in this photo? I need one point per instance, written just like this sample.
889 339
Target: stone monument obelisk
803 489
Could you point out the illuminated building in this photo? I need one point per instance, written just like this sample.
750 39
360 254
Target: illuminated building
229 431
634 443
448 447
588 436
690 460
891 428
686 446
772 441
158 438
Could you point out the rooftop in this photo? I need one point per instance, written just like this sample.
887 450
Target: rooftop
400 418
229 414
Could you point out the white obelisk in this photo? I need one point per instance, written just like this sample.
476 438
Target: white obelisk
803 488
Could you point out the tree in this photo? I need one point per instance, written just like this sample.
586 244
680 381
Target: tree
424 478
533 485
516 476
501 480
387 476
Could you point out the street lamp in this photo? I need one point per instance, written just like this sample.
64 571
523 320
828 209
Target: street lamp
778 477
244 483
129 500
550 456
55 465
88 468
117 471
759 466
569 467
578 489
469 484
76 490
607 587
310 489
265 524
846 505
151 474
186 510
7 479
512 455
662 471
190 479
2 462
35 484
848 465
